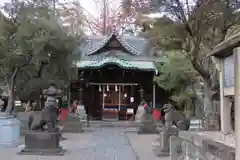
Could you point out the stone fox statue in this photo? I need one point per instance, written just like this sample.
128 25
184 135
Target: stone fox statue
37 120
50 113
175 117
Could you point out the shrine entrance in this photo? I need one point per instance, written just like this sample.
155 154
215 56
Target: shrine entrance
116 73
116 100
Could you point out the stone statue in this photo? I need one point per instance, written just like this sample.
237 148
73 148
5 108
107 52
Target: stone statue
175 118
49 114
139 113
174 121
44 143
148 124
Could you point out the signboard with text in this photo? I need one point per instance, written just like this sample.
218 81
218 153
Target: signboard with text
228 65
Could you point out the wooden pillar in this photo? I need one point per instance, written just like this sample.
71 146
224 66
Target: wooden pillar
132 93
119 100
81 86
154 96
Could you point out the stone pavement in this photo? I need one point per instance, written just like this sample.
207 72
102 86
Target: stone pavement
97 144
142 144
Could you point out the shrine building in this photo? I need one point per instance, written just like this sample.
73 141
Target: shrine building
116 73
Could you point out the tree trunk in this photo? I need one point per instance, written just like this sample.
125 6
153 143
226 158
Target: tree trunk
42 101
38 104
11 85
10 100
211 115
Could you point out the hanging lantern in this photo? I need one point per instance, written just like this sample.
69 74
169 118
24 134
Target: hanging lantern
100 89
107 88
116 88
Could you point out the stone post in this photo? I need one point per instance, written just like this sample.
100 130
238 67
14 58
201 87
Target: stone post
236 53
225 115
224 103
175 147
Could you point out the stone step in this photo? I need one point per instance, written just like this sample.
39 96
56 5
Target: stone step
68 127
76 126
74 123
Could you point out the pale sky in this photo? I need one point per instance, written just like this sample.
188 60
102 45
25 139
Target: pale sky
89 5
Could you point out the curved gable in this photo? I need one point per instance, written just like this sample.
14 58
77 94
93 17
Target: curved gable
97 46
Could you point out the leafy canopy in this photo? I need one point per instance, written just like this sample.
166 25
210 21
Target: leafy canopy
37 46
194 27
176 75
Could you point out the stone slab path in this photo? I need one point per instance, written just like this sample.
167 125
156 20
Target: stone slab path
97 144
143 144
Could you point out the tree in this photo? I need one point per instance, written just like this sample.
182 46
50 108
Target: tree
72 17
111 16
195 27
136 11
59 46
34 39
177 76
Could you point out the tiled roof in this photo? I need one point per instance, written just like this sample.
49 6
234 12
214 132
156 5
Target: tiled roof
136 46
136 53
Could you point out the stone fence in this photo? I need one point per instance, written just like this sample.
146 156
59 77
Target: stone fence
183 149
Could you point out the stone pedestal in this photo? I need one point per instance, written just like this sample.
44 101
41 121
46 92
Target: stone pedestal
42 143
9 131
148 125
164 141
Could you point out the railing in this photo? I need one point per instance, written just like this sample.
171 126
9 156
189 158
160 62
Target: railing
182 149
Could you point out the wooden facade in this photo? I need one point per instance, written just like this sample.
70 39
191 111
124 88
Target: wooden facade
115 76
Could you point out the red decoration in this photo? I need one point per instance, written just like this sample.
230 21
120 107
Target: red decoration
145 105
64 114
157 114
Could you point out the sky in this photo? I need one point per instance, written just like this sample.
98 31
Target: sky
87 4
90 7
